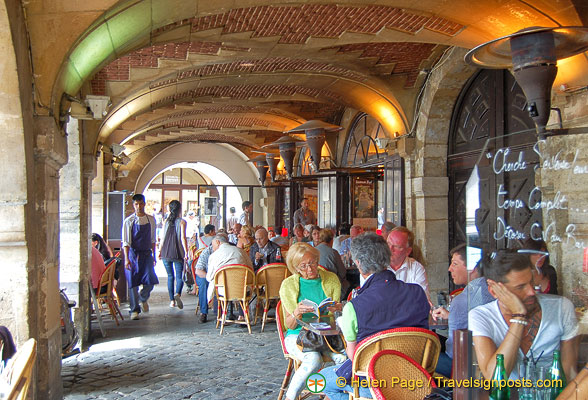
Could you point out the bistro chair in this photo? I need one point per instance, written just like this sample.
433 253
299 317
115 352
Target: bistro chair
422 345
193 262
233 282
268 280
20 370
293 362
105 295
388 364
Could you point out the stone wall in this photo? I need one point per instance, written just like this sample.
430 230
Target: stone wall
33 151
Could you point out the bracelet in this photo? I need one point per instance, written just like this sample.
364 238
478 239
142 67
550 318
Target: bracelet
519 315
519 321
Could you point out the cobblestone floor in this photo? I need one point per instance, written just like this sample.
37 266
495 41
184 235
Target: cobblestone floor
168 355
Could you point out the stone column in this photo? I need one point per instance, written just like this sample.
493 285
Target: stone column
50 154
75 205
426 187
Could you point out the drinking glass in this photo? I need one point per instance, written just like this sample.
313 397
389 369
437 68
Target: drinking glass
526 372
541 393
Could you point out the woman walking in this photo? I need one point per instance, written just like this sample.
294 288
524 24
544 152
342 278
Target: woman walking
174 250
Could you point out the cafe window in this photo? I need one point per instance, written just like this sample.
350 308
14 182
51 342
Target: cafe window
360 146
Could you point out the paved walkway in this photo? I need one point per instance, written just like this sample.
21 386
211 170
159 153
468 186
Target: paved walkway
168 355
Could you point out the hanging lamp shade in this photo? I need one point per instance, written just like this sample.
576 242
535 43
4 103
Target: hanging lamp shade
316 134
287 146
262 167
532 53
273 159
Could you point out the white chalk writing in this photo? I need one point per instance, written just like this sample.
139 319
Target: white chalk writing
558 203
504 231
502 164
506 203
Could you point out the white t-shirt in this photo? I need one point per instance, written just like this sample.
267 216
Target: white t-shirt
558 323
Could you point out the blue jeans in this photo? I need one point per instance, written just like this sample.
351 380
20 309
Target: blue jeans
169 268
202 290
444 365
135 297
334 392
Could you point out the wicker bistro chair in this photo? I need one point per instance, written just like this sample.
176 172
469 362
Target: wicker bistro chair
105 293
192 265
20 370
422 345
268 280
233 282
395 368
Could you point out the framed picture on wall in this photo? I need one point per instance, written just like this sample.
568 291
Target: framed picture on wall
363 198
210 206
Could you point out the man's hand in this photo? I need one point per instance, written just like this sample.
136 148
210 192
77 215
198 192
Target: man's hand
128 264
258 256
512 303
440 313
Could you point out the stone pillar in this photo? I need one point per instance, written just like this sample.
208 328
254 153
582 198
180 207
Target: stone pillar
426 187
50 153
75 203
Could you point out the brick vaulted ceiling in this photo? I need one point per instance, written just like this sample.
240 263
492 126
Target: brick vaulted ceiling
243 72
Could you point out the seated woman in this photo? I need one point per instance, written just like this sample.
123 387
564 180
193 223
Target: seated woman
298 234
103 248
307 282
544 274
245 238
314 236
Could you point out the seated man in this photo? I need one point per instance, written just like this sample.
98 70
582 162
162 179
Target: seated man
234 237
521 323
201 269
223 253
264 251
405 268
477 293
387 228
355 231
206 239
382 303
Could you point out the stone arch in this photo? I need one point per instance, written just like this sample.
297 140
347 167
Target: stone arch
223 156
426 166
32 153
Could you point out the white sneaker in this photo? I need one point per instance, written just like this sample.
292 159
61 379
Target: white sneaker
145 306
172 304
134 315
179 302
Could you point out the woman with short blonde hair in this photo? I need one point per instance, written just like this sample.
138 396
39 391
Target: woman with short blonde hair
308 282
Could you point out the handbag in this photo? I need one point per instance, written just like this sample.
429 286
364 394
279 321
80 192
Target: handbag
308 341
187 276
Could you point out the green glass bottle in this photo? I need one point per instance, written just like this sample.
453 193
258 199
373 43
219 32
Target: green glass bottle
499 390
556 374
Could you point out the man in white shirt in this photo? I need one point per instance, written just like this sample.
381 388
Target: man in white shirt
522 323
223 253
406 269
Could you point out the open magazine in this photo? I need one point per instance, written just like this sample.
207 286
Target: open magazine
319 309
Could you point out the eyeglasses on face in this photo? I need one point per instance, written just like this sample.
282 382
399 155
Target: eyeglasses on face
312 264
